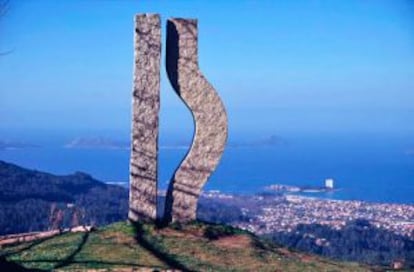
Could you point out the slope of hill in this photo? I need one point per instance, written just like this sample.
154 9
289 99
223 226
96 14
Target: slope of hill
192 247
28 196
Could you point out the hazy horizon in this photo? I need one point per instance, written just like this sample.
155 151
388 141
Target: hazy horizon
284 68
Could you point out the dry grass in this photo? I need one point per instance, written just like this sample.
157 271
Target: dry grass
123 246
233 242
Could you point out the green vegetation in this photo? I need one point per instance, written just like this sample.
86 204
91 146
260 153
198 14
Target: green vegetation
357 241
28 196
192 247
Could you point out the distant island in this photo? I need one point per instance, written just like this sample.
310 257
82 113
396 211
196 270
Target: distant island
97 142
15 145
100 142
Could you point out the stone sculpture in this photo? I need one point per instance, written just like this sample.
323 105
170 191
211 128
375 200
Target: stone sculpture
209 115
208 111
145 106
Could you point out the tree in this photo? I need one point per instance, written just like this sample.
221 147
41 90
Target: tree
52 216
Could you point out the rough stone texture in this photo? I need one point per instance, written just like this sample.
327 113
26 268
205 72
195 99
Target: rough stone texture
146 105
209 117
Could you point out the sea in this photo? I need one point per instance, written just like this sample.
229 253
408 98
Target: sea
374 168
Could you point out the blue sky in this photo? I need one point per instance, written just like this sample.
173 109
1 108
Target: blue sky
281 67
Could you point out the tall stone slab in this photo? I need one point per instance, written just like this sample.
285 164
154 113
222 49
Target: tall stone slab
145 107
209 115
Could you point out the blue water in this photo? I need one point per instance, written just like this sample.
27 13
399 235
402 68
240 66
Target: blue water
371 169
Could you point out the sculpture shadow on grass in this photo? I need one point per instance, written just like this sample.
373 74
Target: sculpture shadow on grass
6 265
144 240
70 258
28 247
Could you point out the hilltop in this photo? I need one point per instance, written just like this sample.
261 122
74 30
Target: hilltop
192 247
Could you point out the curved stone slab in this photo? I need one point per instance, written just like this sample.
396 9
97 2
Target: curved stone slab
209 115
145 109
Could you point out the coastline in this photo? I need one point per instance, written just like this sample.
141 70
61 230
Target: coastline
246 170
284 212
328 195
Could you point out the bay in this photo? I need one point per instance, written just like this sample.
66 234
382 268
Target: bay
375 170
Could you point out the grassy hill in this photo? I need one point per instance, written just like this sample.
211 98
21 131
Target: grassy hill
193 247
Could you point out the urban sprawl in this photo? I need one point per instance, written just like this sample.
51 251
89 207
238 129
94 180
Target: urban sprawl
283 212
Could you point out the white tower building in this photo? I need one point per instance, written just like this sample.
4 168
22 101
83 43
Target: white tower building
329 183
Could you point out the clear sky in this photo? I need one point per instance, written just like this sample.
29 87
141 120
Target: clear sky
281 67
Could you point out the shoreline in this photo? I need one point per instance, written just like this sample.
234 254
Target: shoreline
285 193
